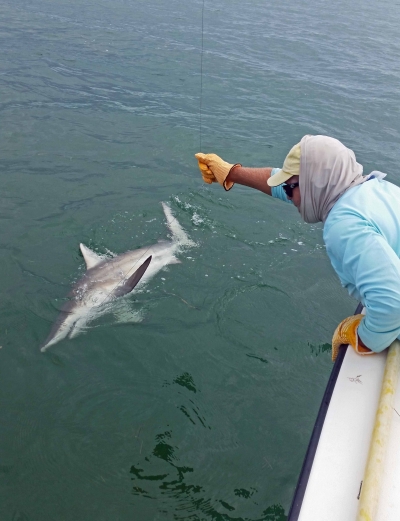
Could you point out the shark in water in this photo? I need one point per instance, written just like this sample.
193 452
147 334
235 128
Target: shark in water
108 279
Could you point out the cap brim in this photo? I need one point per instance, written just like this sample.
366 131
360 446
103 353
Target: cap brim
279 178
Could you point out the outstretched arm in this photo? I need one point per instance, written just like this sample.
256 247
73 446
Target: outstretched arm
252 177
215 170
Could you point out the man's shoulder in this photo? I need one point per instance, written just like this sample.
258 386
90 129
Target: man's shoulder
365 202
342 225
368 208
346 220
348 209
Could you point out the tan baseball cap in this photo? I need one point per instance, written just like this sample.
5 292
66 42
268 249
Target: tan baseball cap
291 166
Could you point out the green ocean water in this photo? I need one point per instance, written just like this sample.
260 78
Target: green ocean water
203 409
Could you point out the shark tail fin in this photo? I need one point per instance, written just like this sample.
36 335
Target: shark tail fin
178 233
91 258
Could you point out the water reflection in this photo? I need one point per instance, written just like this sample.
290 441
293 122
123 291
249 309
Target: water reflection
186 500
320 348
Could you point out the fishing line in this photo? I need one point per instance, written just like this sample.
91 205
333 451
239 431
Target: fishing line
201 69
200 131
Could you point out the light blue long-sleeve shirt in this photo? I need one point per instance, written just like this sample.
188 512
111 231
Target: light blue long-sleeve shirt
362 238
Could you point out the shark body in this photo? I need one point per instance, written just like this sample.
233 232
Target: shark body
108 279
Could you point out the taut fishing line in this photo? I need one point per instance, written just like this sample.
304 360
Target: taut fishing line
201 69
200 117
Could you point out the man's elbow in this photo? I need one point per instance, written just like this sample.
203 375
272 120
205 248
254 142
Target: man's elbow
377 335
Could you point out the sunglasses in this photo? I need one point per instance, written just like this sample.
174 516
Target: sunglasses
289 188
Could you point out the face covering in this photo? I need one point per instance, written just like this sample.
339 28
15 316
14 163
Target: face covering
327 170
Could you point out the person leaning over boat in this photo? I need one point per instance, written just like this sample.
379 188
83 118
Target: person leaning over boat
361 216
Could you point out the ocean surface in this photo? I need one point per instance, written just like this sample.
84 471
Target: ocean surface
195 400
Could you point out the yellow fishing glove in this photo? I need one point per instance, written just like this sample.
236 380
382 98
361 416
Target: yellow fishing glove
214 169
346 333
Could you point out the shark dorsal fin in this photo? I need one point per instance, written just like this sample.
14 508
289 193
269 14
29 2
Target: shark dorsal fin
91 258
129 284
